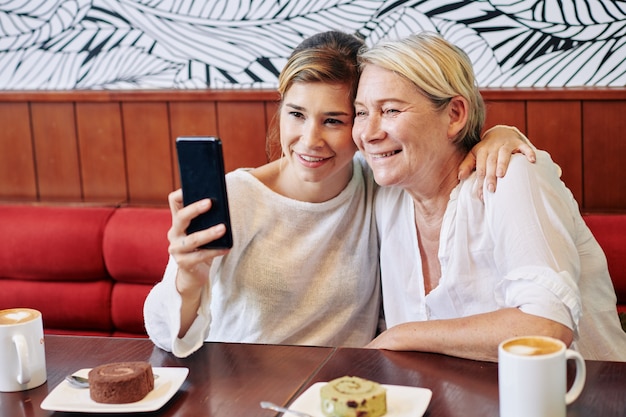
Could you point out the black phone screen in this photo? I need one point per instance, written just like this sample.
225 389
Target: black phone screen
201 166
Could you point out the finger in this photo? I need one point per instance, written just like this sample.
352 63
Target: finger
504 157
193 241
490 172
182 217
175 199
528 151
178 245
481 166
191 258
209 235
467 166
194 209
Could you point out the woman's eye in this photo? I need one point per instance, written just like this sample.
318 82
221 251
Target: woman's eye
333 121
296 114
390 111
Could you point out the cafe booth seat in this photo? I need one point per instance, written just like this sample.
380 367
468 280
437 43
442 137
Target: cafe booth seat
610 232
87 269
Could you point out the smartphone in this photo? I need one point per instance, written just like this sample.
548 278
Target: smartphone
201 167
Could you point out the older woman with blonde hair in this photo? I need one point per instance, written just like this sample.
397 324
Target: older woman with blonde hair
459 274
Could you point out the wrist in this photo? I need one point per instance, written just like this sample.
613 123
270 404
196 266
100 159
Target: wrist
517 132
189 287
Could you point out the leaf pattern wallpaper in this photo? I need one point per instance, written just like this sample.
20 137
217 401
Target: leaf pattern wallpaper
194 44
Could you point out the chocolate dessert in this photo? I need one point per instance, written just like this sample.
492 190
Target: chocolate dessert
120 383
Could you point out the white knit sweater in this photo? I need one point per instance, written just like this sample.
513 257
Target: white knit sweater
298 273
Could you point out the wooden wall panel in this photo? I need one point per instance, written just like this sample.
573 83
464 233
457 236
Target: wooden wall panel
101 146
604 145
56 151
512 113
241 125
17 164
556 126
53 143
148 152
190 118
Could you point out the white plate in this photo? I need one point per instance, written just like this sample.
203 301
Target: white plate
64 397
402 401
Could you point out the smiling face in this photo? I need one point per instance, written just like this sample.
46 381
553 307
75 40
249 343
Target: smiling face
316 138
406 141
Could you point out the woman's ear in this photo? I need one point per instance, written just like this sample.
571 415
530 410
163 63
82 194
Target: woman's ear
457 113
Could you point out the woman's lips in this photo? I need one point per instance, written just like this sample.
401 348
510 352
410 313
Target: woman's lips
311 158
312 161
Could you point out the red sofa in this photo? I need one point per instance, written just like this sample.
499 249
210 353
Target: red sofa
610 232
89 269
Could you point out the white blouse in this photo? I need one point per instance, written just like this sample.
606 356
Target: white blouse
526 246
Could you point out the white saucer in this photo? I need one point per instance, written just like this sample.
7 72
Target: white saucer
64 397
402 401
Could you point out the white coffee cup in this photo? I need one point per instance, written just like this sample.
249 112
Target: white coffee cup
532 377
22 353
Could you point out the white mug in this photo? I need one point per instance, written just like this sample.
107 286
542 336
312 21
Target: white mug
532 377
22 353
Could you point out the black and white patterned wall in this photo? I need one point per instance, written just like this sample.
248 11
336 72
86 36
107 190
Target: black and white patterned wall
190 44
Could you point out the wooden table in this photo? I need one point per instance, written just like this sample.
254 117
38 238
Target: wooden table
231 379
470 388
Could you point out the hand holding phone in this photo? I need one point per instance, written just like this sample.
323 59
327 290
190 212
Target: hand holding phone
201 166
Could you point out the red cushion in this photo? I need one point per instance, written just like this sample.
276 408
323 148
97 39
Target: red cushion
65 332
52 242
125 334
610 232
63 305
127 307
135 244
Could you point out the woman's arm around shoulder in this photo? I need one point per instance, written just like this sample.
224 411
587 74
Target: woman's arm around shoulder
490 157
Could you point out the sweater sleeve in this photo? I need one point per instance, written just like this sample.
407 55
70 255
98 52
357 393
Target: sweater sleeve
162 316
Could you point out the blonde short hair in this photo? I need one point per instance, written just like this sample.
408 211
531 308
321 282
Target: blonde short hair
439 69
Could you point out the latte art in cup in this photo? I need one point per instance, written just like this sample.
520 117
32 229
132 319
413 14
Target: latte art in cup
22 351
532 377
18 315
531 346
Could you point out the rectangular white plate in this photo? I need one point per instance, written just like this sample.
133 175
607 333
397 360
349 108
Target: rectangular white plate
402 401
64 397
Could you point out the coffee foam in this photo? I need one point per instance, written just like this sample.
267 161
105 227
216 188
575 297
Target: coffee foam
532 346
17 315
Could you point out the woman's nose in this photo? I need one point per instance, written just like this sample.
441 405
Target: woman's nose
367 129
312 135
